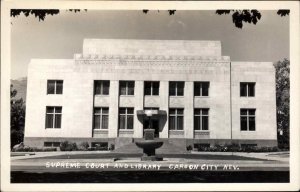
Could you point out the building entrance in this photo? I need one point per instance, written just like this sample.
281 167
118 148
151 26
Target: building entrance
153 124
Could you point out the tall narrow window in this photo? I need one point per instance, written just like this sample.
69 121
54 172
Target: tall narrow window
201 119
54 86
126 87
247 119
151 88
201 88
176 88
102 87
126 118
176 119
247 89
53 117
101 118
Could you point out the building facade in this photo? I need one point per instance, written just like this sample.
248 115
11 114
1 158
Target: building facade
96 97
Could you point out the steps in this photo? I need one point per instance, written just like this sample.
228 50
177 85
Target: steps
167 148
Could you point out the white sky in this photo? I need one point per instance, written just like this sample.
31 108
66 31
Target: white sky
60 36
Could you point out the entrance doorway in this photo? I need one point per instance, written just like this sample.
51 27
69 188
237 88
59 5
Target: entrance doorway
155 126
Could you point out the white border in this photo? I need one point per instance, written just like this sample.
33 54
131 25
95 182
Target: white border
134 5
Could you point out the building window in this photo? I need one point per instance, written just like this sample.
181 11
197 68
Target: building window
247 119
201 88
101 118
51 144
53 117
201 119
54 86
151 88
247 89
101 87
176 88
126 87
126 118
176 119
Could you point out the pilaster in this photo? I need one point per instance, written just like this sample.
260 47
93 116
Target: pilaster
113 109
189 110
139 105
164 105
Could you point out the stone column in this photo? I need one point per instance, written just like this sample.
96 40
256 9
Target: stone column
113 109
139 105
164 105
189 110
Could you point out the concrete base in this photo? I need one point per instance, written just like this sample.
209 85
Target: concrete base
151 158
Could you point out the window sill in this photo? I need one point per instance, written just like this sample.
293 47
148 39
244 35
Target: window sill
101 95
201 130
51 128
177 130
202 96
126 95
176 96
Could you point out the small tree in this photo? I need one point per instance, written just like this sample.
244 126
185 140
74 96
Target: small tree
283 102
17 118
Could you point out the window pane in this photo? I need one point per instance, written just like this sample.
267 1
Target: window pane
180 111
251 89
97 110
155 88
251 111
122 110
130 111
49 121
243 89
104 122
59 87
251 123
197 123
50 109
50 87
97 87
57 121
172 111
130 87
172 89
105 110
180 88
147 88
196 111
204 111
243 111
244 123
122 122
96 121
57 109
47 144
129 122
197 89
172 123
122 88
105 87
180 123
205 88
205 123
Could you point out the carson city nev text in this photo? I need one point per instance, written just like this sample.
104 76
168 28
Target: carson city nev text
141 166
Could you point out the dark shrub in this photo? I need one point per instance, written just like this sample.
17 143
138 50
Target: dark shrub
83 146
111 147
66 146
189 148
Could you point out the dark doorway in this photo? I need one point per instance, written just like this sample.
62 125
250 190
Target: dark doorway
155 126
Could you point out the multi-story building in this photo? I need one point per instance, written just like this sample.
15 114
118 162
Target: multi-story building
200 96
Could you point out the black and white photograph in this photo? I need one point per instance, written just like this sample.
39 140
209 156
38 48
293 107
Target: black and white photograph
151 94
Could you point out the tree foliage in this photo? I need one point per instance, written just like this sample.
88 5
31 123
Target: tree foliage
239 17
283 100
17 118
38 13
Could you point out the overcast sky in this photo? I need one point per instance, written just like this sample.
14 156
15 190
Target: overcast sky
60 36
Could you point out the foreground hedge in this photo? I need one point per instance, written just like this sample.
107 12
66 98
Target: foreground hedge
236 148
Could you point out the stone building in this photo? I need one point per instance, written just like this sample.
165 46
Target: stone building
200 97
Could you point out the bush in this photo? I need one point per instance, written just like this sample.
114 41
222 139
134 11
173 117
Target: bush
111 147
83 146
66 146
237 148
34 149
189 148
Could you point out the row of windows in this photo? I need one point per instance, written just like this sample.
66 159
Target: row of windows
176 88
176 118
